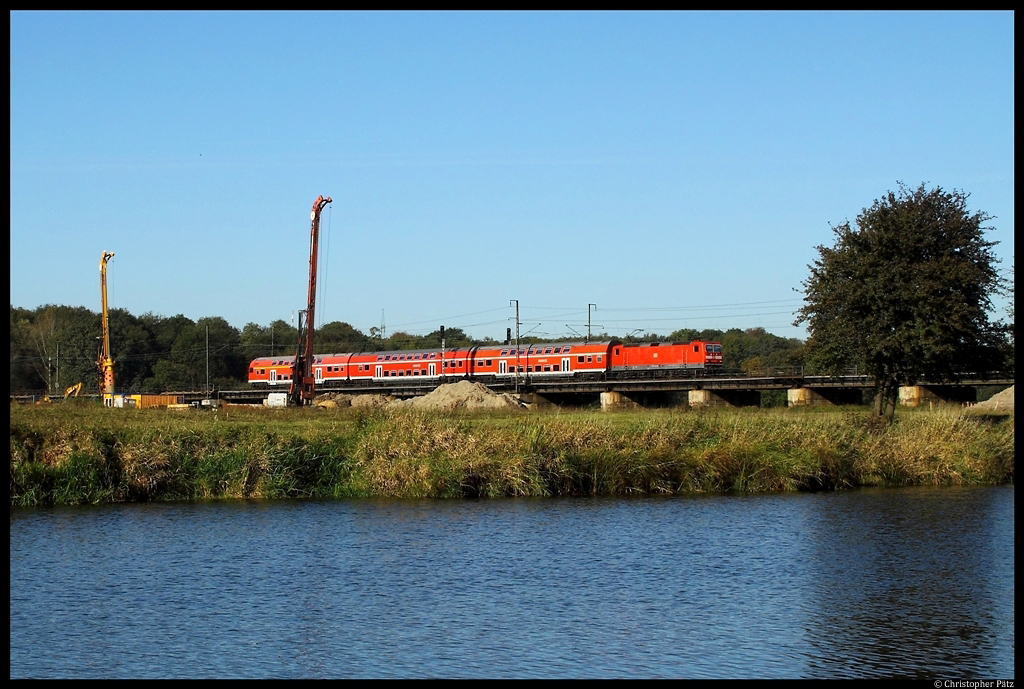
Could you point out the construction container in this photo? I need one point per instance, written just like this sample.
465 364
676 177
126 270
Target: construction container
141 401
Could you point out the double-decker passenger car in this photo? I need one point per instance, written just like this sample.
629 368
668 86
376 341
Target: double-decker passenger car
492 363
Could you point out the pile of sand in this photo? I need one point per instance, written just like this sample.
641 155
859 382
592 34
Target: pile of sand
1001 400
370 400
332 400
461 395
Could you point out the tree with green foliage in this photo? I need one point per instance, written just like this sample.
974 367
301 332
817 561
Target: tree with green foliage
753 351
338 336
906 294
131 345
23 376
53 347
276 339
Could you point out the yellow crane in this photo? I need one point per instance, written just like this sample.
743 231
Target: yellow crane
105 363
73 390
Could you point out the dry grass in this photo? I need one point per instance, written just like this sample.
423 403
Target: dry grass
81 454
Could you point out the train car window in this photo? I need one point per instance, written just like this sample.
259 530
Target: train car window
557 350
618 351
548 350
547 368
529 369
590 359
599 358
250 369
580 359
696 348
460 364
554 367
380 358
262 370
566 350
488 363
520 369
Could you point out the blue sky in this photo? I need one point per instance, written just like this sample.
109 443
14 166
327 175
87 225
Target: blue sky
674 169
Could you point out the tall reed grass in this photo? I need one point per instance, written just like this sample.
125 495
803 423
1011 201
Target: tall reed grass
75 455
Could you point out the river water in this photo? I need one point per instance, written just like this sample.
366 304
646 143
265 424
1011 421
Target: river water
914 582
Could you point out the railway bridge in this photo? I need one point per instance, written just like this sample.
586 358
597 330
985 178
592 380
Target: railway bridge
705 391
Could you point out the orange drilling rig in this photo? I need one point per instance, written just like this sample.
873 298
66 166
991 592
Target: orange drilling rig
300 392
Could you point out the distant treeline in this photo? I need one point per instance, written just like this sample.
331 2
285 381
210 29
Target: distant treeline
53 347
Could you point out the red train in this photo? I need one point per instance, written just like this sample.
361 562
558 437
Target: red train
487 363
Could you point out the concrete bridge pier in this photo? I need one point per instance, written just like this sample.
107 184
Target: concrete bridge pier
724 398
612 400
822 397
636 400
920 395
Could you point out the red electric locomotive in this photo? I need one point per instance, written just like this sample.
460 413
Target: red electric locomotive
663 359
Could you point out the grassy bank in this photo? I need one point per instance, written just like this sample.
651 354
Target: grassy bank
76 454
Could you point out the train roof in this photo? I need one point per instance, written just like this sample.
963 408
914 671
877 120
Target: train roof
393 352
667 344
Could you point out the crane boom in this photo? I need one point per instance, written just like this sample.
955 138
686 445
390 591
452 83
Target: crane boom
105 363
301 390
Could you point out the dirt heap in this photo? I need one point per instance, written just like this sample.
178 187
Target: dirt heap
371 400
331 400
461 395
1001 400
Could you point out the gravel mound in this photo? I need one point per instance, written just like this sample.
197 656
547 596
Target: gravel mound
461 395
1000 400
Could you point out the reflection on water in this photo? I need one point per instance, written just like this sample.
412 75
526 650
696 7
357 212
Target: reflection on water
920 587
907 583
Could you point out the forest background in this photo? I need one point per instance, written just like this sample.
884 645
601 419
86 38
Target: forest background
53 347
